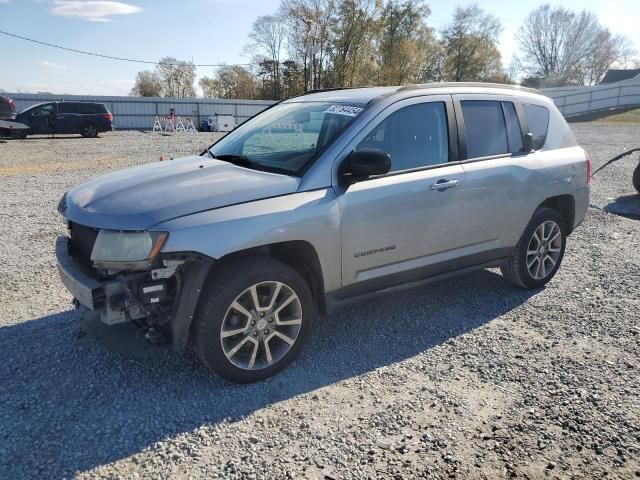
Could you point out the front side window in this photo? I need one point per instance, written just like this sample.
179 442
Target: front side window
414 136
484 128
538 122
287 137
42 111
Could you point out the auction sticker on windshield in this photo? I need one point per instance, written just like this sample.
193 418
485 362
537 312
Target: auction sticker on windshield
348 110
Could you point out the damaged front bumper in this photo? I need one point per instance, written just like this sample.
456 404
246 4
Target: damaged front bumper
86 290
162 298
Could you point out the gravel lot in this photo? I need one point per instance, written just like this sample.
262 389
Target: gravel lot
469 378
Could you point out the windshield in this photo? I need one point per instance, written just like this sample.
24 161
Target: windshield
286 137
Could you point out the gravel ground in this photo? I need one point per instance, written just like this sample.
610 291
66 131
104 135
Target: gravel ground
497 383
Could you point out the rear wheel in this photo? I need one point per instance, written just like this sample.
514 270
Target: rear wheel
636 178
539 252
253 319
89 130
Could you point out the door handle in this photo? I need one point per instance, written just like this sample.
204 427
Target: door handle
442 185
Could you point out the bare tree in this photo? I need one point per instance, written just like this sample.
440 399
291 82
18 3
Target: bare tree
608 50
564 47
268 35
148 84
470 45
177 77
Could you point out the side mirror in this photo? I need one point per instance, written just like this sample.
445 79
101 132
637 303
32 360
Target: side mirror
528 142
367 162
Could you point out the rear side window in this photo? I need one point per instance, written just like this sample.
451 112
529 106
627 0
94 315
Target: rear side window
538 122
67 107
82 108
514 132
484 127
414 136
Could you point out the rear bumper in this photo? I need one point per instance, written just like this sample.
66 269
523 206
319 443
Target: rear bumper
88 291
581 198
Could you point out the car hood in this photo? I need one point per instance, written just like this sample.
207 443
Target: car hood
138 198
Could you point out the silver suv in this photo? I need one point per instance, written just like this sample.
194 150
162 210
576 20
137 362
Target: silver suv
320 200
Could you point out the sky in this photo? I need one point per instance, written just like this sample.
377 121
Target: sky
204 31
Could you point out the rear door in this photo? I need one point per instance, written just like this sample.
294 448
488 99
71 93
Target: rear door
400 226
497 174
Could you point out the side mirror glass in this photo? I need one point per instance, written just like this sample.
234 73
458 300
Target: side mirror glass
362 164
528 142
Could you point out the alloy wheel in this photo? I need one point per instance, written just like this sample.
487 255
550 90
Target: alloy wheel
261 325
544 249
90 130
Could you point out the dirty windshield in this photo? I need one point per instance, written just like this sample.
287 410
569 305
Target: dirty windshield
286 137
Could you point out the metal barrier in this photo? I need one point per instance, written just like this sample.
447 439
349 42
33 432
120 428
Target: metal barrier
575 101
139 113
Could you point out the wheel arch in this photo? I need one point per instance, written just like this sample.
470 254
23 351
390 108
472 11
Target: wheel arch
299 255
565 205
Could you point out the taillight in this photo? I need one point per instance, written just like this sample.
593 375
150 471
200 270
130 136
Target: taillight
588 158
108 116
10 103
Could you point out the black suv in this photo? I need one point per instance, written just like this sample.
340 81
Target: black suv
87 119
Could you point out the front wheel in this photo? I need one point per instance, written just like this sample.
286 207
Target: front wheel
539 252
254 316
19 134
89 130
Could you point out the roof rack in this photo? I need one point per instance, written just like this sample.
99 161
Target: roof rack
418 86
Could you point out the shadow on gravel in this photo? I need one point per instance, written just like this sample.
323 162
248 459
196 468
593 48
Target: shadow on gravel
67 405
627 206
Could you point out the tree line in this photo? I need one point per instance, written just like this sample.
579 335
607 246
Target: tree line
346 43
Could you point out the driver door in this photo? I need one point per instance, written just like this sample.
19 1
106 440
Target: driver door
42 118
404 225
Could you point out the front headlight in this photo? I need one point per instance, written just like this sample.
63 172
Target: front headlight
115 246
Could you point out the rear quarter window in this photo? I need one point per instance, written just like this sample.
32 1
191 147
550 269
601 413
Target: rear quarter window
538 122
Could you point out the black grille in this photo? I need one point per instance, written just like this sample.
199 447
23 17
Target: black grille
82 240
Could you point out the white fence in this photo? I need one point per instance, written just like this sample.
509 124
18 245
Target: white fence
573 101
138 113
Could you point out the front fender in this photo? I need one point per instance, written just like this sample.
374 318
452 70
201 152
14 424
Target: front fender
308 216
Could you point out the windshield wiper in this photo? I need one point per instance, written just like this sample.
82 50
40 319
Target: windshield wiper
240 160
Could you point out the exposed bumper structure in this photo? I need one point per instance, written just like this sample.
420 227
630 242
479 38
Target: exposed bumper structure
163 298
88 291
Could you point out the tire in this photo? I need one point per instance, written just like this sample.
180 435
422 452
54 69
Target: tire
19 134
523 269
636 178
89 130
257 350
